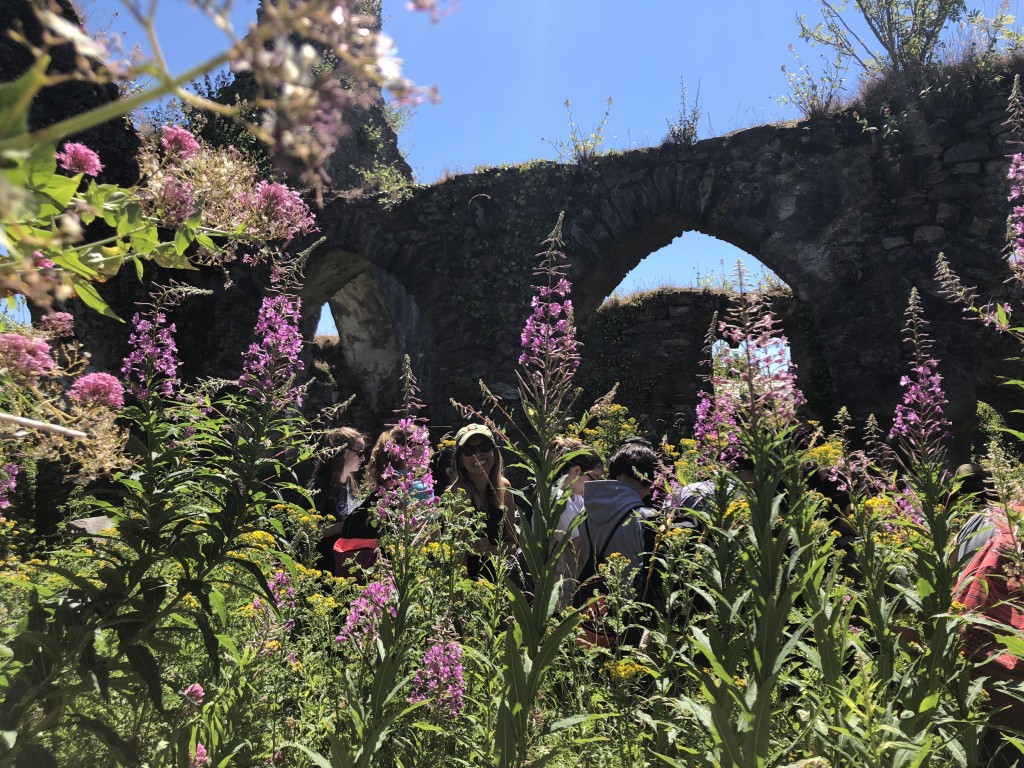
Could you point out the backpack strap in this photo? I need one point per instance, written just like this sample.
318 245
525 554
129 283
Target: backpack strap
596 558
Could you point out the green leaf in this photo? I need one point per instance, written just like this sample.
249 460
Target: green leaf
930 702
170 258
145 240
108 736
316 757
145 666
183 238
88 294
58 191
16 96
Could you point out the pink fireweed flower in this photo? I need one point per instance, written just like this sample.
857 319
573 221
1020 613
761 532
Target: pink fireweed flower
178 142
440 679
919 423
366 610
8 484
152 365
272 360
549 336
78 158
407 480
97 389
280 586
275 212
920 413
58 324
201 758
194 694
39 261
26 358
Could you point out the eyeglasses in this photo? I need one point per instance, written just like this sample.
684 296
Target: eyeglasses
593 475
481 446
361 453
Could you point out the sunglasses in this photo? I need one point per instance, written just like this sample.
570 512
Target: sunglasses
361 454
593 475
481 446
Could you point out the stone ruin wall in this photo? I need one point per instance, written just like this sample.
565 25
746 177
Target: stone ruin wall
850 219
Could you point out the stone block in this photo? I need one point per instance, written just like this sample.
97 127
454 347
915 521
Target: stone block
947 215
888 243
90 526
930 235
967 151
965 169
954 192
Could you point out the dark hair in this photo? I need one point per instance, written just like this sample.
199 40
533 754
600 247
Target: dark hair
635 460
334 443
442 461
379 458
586 458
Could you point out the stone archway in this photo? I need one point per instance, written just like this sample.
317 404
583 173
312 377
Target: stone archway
848 219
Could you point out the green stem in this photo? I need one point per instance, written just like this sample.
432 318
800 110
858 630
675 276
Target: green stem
111 110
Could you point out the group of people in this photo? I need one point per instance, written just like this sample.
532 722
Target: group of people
607 511
615 509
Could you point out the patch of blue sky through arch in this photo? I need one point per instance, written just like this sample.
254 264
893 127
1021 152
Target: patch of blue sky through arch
692 260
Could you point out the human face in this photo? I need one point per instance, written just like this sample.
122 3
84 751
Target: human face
477 456
355 455
579 477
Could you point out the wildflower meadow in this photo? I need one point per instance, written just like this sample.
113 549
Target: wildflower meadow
799 603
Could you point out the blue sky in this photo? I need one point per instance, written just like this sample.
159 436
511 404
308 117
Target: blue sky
505 69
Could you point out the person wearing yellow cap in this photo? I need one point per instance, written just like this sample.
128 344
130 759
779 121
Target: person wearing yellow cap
481 477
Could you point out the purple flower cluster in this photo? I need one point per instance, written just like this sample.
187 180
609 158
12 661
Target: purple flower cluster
366 610
58 325
194 694
549 334
8 482
280 586
272 360
407 481
97 389
201 757
753 383
152 365
716 431
275 212
440 679
177 200
919 417
26 358
78 158
1016 222
178 142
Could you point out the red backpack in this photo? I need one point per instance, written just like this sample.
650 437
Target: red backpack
991 588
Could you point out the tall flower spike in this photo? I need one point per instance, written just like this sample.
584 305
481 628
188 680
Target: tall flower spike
408 482
152 365
549 337
919 425
752 381
272 360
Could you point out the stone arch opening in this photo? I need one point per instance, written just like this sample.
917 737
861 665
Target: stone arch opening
652 341
377 323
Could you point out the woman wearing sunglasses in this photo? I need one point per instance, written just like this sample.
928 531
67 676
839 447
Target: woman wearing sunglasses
480 475
344 451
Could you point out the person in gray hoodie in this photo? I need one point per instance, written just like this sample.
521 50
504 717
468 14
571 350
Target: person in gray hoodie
616 513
